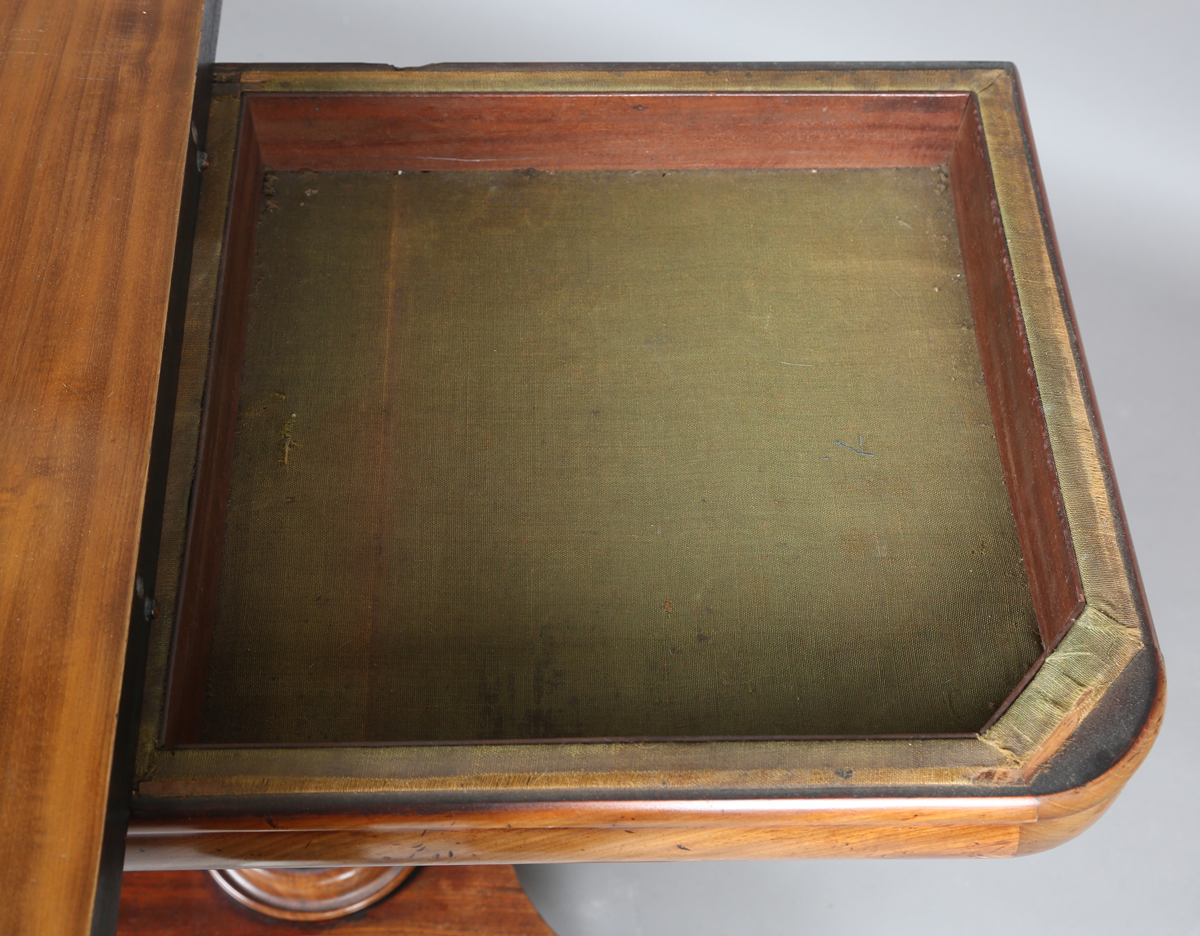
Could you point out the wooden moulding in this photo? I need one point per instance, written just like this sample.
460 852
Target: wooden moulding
672 830
1038 773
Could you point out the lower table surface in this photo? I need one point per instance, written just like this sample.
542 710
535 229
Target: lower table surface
481 900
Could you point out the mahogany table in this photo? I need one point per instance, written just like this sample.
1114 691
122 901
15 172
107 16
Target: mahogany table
958 663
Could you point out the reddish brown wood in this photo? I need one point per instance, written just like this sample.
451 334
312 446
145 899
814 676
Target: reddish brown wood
310 894
1012 388
95 106
552 844
206 523
485 900
605 131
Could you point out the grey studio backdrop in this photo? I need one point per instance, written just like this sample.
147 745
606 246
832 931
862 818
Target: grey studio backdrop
1117 124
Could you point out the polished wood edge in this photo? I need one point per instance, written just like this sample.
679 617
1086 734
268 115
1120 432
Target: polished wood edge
96 101
1106 787
1042 836
559 845
681 814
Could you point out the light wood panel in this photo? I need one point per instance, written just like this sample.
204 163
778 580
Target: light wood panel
95 103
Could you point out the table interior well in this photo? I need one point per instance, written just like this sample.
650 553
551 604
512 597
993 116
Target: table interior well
612 454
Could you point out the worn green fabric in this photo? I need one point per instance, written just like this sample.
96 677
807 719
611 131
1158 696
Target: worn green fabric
613 454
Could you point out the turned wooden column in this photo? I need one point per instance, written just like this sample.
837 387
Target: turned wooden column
309 894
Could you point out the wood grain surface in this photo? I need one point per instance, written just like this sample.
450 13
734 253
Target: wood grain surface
1013 391
616 814
486 900
605 131
95 102
553 846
